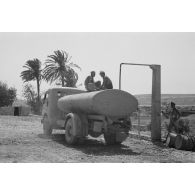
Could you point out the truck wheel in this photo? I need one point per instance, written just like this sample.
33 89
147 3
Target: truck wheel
110 139
69 137
47 130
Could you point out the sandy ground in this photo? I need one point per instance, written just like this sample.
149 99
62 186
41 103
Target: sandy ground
22 140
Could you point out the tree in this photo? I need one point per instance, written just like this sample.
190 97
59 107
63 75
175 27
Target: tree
59 68
71 78
30 95
33 72
7 95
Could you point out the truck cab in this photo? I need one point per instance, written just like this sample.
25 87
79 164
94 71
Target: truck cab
52 116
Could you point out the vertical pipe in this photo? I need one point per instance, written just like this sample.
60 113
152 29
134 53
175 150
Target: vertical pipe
156 103
139 128
120 76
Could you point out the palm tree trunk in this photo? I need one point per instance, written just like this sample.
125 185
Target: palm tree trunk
63 81
38 104
38 90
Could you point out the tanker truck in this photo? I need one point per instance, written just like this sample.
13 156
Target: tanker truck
81 113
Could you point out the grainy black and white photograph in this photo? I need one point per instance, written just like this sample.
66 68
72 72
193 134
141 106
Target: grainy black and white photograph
97 97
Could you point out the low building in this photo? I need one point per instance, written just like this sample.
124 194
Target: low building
18 108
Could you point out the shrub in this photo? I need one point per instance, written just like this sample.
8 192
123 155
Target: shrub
7 95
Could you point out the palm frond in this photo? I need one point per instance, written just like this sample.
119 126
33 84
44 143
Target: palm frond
72 65
59 68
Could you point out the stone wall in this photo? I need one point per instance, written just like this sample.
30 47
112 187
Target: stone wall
25 111
7 110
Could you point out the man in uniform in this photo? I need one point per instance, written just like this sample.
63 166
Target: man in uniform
174 117
89 80
107 83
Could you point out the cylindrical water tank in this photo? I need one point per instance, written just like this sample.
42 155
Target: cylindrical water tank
106 102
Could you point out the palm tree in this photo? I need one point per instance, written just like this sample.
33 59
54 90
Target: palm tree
72 78
59 68
33 72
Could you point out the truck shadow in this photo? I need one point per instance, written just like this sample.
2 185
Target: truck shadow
160 144
95 147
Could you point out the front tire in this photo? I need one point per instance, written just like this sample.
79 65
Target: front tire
69 137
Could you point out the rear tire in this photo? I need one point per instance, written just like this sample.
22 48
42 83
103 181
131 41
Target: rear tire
47 130
110 139
69 137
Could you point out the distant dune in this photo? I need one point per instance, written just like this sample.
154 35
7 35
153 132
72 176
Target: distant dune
179 99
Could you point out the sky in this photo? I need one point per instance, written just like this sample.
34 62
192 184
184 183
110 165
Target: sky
105 51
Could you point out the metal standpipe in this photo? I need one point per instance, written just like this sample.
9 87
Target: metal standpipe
156 98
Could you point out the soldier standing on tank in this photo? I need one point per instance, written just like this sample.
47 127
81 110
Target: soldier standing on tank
174 117
89 79
107 83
